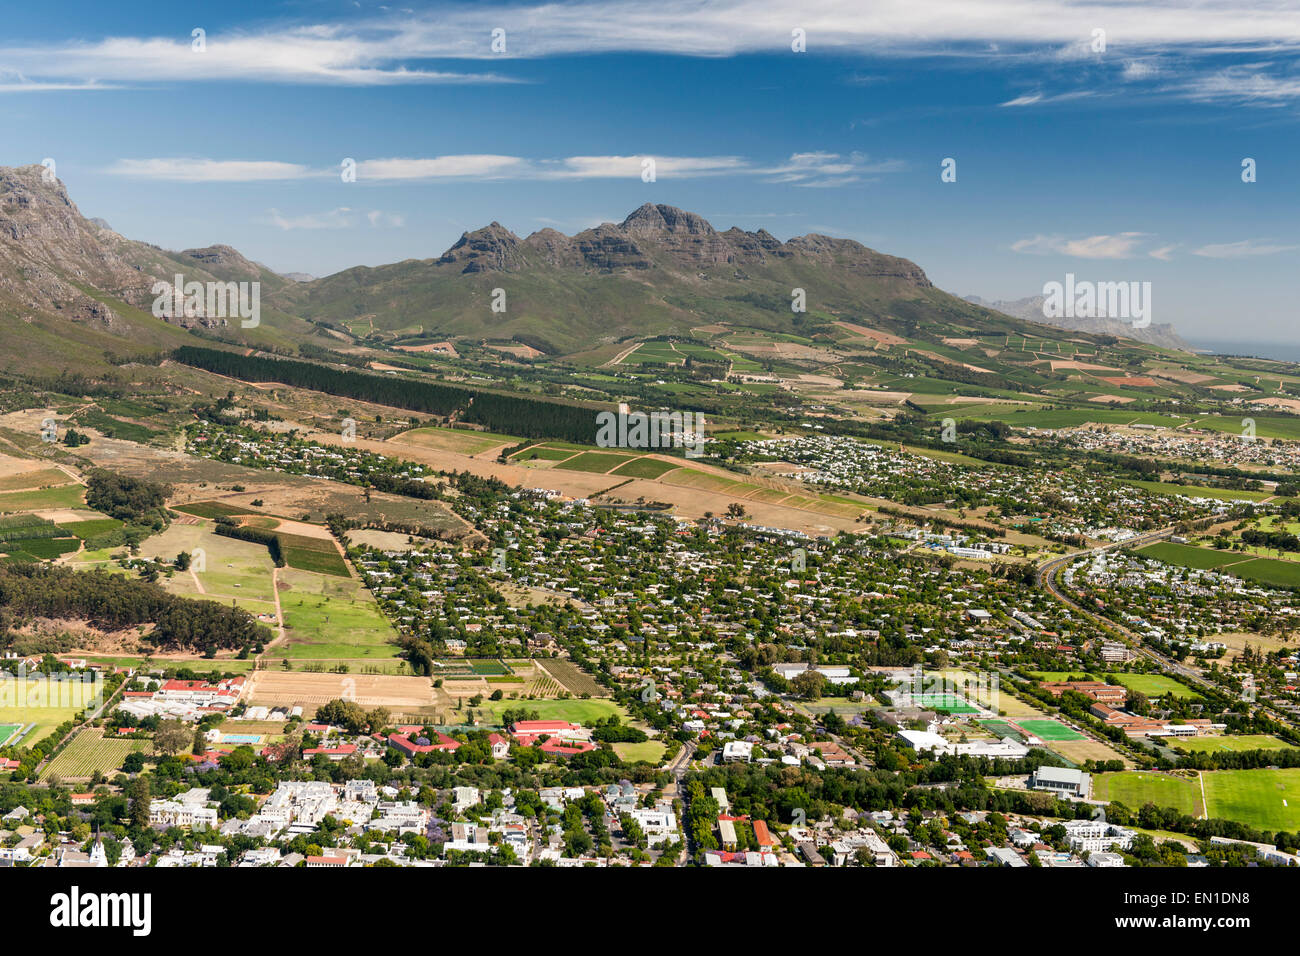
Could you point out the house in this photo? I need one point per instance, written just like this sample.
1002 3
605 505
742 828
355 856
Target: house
500 746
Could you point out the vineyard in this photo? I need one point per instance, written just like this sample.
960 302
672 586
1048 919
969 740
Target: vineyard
90 753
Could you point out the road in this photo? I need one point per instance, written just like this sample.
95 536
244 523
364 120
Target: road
1046 579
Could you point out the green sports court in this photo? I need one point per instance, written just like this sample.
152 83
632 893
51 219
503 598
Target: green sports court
949 702
1050 730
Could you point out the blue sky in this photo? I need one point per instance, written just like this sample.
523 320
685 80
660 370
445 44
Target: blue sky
1122 163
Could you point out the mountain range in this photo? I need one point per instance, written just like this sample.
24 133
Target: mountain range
76 294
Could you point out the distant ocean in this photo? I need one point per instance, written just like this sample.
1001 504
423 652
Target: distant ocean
1283 351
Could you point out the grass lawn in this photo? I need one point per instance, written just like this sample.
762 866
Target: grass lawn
651 751
1154 685
1267 799
575 710
32 711
1134 788
331 617
1188 556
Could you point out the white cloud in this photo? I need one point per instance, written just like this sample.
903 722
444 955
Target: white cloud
398 47
208 170
344 217
1244 249
1243 85
1121 246
821 169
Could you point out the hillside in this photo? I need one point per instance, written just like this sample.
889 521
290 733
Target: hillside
662 270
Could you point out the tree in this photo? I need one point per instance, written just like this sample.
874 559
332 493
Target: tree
809 684
172 736
138 793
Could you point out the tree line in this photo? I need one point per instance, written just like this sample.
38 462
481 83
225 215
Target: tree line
511 414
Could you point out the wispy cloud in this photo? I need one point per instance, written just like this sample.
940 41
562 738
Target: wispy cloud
400 47
820 169
1121 246
801 169
182 170
1243 249
343 217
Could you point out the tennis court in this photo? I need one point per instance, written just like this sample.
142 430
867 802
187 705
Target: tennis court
949 702
241 738
1001 728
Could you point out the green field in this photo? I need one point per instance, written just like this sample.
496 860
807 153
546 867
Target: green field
330 617
593 461
1050 730
651 751
644 468
574 710
1188 556
1268 571
1135 788
69 496
948 702
1266 799
7 731
27 706
1199 491
312 554
1243 742
1155 685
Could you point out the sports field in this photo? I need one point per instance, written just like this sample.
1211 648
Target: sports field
1266 799
1243 742
949 702
1050 730
7 731
1155 685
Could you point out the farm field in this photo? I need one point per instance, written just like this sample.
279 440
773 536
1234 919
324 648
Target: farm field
328 617
458 440
67 496
90 753
573 678
276 688
222 568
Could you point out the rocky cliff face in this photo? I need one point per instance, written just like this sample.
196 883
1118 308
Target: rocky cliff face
48 250
664 237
